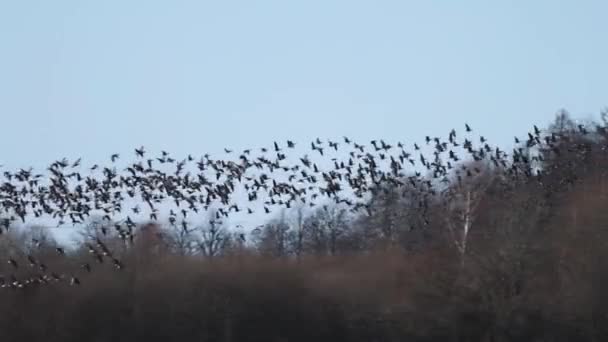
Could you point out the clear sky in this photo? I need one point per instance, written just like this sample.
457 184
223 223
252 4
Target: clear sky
89 78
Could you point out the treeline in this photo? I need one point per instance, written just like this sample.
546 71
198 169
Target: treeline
491 256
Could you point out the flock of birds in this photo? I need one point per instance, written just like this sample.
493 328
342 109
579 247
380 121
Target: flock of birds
348 174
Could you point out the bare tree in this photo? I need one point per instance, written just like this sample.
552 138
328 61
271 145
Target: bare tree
26 239
299 231
182 240
325 229
276 237
395 213
461 202
562 123
213 238
95 228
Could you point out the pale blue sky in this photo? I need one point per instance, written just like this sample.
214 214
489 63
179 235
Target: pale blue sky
88 78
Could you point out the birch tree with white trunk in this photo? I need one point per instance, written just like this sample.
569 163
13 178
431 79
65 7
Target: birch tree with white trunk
461 203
